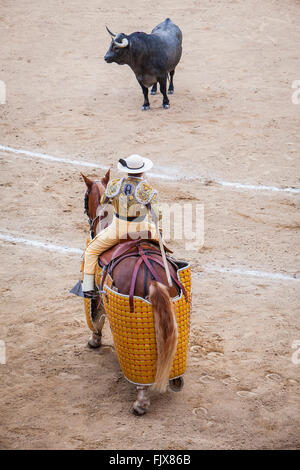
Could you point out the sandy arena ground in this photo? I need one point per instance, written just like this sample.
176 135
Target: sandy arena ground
231 118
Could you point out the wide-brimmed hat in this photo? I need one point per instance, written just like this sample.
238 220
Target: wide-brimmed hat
135 164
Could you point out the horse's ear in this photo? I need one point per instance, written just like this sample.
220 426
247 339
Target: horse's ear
105 179
87 181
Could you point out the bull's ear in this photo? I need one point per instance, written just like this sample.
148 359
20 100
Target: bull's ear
105 179
87 181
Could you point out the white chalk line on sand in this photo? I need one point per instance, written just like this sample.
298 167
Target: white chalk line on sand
44 156
37 244
225 184
209 268
255 187
250 272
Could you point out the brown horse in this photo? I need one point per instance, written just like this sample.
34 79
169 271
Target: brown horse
159 295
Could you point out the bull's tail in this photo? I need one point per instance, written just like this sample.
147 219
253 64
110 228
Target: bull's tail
166 333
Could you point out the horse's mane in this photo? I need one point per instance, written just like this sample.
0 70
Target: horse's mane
86 201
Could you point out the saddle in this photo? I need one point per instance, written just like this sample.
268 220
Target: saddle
146 251
133 239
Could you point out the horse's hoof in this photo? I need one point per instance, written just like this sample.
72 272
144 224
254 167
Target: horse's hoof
145 108
152 92
94 341
137 410
166 106
176 384
170 92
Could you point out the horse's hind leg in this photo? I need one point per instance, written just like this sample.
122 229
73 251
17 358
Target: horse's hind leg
142 403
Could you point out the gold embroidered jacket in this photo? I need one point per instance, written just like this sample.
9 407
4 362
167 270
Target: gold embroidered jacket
129 197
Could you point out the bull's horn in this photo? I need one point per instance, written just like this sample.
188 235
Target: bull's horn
124 43
109 32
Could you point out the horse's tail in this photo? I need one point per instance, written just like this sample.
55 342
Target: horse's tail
166 333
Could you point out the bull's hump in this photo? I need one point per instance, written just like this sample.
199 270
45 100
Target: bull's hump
167 26
167 22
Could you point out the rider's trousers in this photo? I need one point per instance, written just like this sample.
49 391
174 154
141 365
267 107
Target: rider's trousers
107 238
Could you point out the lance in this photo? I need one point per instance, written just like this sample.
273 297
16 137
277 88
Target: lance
161 245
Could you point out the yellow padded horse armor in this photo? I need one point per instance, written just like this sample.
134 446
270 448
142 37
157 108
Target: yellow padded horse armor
134 333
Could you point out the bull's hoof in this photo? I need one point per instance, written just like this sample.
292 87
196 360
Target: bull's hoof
166 106
153 92
145 108
170 92
176 384
94 341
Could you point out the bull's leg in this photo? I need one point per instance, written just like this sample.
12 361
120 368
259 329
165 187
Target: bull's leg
154 89
146 104
142 402
171 86
163 89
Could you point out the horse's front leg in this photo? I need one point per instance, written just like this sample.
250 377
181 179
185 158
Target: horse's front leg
98 319
142 403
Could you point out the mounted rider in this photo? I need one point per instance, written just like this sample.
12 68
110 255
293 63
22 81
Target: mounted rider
132 198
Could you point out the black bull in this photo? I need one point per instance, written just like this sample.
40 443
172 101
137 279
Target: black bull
151 57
